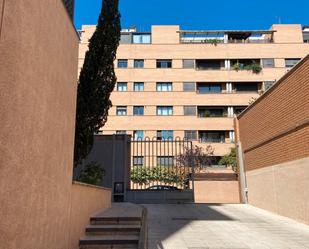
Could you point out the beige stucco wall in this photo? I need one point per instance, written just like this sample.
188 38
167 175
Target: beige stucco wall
216 192
38 63
165 34
282 189
86 201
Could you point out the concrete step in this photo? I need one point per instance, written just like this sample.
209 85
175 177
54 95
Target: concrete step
116 229
97 220
108 241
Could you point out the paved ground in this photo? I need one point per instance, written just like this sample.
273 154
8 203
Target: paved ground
233 226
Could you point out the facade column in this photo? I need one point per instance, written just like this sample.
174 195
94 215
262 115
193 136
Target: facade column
227 64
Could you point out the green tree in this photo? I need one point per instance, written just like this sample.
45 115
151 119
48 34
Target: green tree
230 159
92 173
97 79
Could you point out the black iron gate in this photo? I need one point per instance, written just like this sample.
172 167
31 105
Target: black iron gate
161 164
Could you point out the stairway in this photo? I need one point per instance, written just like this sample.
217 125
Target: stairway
122 226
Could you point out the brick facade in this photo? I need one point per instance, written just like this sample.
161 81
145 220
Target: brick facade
275 129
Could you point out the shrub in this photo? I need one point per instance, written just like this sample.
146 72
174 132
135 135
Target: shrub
92 173
230 159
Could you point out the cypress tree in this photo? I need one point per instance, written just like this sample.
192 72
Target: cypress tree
97 79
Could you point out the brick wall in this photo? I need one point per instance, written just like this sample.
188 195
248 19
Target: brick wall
275 129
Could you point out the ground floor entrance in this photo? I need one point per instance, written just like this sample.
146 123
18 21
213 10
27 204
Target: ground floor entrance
225 226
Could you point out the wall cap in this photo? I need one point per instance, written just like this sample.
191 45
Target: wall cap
91 186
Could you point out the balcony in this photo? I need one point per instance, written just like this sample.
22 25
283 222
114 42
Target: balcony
245 87
211 136
211 112
210 64
227 36
246 64
239 109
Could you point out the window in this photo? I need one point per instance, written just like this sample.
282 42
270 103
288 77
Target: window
165 160
164 63
246 87
164 87
306 37
138 135
189 110
189 87
125 38
138 160
268 84
122 63
212 136
188 63
165 135
122 132
268 63
191 135
164 110
138 63
291 62
138 86
141 38
121 110
122 87
138 110
209 88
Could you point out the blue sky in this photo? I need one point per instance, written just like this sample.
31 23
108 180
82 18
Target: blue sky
199 14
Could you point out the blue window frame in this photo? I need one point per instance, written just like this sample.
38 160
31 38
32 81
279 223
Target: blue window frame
138 86
138 110
138 135
138 161
165 161
121 110
141 38
122 63
164 110
138 63
122 87
164 63
165 135
164 87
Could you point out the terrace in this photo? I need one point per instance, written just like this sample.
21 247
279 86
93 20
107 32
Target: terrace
226 36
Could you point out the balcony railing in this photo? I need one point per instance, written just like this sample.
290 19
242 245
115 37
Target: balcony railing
211 140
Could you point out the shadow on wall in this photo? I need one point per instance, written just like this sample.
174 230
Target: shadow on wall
113 155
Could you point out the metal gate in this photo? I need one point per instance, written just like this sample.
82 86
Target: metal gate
161 164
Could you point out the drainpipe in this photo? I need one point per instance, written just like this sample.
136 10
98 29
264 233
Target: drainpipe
242 175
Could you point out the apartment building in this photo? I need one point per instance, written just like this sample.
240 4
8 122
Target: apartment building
191 84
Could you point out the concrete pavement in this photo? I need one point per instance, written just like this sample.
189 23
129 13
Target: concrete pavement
225 226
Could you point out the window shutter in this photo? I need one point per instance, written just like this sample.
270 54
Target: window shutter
188 63
189 110
189 87
268 63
